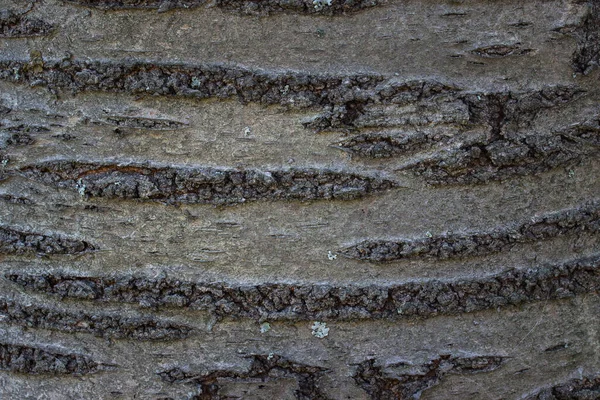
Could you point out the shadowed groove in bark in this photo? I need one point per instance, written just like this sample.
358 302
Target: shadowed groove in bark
25 128
17 139
15 25
14 241
510 149
153 124
284 301
162 5
583 218
574 389
587 55
251 7
508 112
352 111
341 97
9 198
409 381
506 119
205 185
20 135
587 132
504 114
99 324
262 367
35 360
385 144
501 160
501 50
295 89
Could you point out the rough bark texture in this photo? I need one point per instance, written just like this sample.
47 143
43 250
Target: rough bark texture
299 199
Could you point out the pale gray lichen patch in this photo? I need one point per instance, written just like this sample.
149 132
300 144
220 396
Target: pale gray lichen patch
320 4
80 186
265 327
320 329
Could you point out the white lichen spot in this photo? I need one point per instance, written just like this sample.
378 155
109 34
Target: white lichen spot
331 256
428 234
196 83
80 187
270 356
400 309
320 329
320 4
265 327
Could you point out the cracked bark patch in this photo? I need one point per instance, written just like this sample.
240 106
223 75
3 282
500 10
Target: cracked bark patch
98 324
385 144
20 135
15 25
587 34
284 301
510 149
347 102
14 241
248 7
574 389
501 50
586 217
9 198
502 159
407 381
341 98
478 134
153 124
262 367
35 360
205 185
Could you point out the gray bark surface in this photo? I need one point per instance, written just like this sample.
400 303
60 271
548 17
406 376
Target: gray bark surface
298 199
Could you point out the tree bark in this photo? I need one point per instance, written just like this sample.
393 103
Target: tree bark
298 199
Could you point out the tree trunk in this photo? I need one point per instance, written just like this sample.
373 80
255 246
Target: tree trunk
299 199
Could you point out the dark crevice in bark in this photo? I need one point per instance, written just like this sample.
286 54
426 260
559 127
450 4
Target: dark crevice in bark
262 367
501 50
35 360
587 388
14 241
249 7
97 323
584 218
587 55
409 381
341 97
15 25
152 124
284 301
205 185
